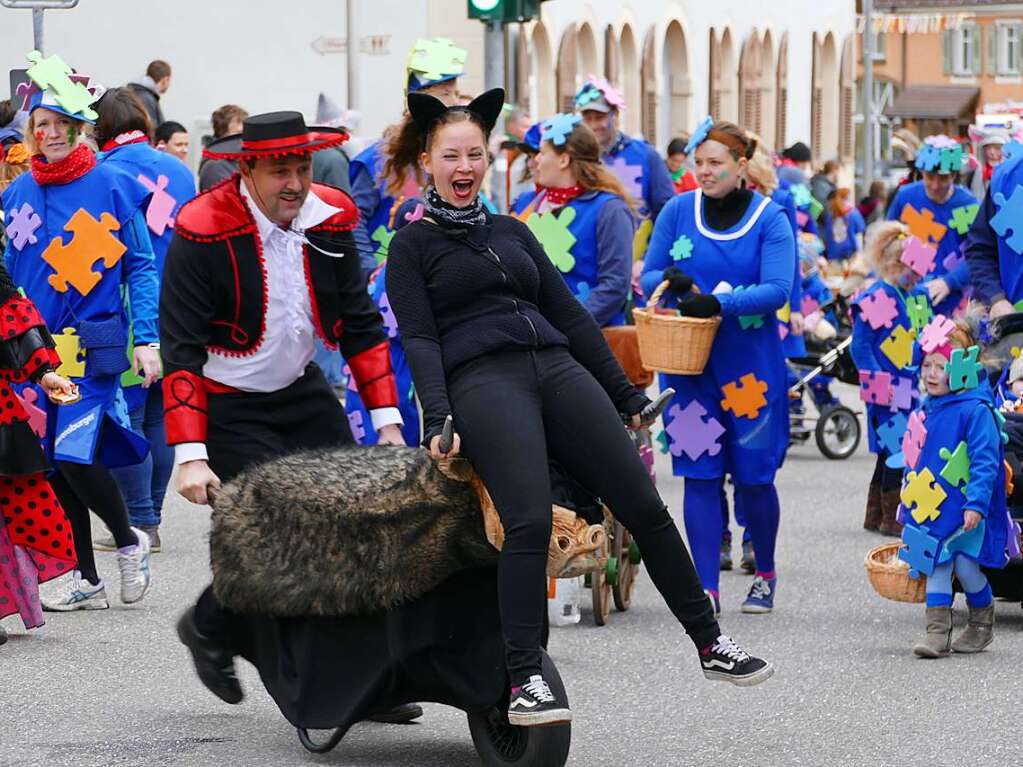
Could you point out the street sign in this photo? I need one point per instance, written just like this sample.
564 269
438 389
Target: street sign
326 45
40 5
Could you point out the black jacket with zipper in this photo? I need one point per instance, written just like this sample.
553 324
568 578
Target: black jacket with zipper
461 293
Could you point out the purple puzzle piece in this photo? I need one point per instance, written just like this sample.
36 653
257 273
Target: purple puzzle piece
630 176
161 205
955 259
351 379
355 422
388 316
809 305
690 434
22 229
902 393
1013 543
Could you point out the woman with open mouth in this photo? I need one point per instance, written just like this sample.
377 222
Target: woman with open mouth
497 342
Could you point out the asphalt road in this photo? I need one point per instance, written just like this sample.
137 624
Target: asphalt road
115 689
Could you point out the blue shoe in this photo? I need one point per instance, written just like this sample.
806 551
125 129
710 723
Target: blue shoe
760 599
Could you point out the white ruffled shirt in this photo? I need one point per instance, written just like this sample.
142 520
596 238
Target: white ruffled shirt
289 341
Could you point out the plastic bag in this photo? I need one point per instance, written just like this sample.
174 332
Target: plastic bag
563 600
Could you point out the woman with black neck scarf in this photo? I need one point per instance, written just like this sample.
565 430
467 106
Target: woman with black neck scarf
728 251
496 340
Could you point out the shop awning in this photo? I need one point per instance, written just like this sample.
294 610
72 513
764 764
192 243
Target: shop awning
935 102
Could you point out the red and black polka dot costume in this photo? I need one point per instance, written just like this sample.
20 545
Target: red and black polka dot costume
35 536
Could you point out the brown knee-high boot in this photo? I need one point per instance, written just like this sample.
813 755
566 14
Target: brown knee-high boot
890 524
872 519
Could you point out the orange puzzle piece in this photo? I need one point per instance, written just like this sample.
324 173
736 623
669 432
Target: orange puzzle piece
922 224
91 241
747 400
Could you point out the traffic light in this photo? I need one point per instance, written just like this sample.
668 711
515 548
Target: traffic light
504 11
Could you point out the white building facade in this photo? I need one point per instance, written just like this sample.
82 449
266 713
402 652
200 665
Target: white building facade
784 69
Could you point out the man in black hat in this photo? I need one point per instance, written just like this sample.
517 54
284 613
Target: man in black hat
260 266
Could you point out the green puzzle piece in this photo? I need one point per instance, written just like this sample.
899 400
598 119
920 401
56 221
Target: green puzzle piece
919 310
747 321
963 217
53 74
437 58
382 236
662 440
683 248
963 369
957 466
551 229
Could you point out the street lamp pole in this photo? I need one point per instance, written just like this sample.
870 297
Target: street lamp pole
493 54
37 7
868 94
352 58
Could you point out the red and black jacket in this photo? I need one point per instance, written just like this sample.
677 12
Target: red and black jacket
213 298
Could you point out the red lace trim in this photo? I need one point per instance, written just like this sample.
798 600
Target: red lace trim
73 167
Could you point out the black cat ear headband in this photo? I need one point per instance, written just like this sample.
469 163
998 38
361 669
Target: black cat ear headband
426 109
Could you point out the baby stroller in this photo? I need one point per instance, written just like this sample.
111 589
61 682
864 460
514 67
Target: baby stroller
835 427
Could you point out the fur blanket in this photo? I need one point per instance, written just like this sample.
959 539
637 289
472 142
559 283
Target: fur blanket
342 532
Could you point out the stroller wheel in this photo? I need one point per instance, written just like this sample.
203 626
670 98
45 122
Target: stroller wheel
838 433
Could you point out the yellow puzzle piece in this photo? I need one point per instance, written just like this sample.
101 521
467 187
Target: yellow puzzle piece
72 358
898 347
927 495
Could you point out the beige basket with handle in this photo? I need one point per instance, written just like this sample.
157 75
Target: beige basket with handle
889 575
669 343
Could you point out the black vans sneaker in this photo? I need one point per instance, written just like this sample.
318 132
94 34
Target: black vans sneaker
534 704
727 662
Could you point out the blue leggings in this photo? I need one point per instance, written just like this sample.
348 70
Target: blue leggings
973 581
701 507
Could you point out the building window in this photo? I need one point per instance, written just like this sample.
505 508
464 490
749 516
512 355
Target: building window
880 46
1009 39
962 50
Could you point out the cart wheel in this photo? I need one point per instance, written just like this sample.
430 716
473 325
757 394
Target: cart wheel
838 433
627 567
321 748
612 571
600 589
500 743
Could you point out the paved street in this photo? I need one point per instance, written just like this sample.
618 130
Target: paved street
116 689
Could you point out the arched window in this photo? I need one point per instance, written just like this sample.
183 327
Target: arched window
768 94
723 78
631 81
847 104
750 106
781 95
824 99
676 87
612 56
541 78
649 86
568 71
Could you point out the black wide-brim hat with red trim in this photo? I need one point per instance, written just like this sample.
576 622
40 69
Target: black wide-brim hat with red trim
275 134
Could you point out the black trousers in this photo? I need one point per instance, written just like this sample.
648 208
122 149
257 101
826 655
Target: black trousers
513 410
245 429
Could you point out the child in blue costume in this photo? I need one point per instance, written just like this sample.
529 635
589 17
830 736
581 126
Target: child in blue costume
883 342
123 131
379 190
967 522
736 246
84 242
953 210
636 163
843 228
816 294
581 217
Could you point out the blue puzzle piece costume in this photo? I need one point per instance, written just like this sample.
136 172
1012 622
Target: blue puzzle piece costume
97 425
601 272
965 416
996 268
358 415
840 233
868 355
958 276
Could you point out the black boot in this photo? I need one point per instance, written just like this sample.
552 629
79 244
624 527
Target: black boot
214 663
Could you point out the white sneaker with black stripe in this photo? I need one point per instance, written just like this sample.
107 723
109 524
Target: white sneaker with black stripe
534 704
727 662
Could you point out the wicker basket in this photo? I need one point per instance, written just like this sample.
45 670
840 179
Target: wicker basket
672 344
890 576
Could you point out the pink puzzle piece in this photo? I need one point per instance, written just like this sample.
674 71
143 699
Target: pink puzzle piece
919 256
875 387
390 323
36 415
802 218
879 310
690 434
415 214
914 438
347 371
355 422
902 393
936 333
161 205
809 305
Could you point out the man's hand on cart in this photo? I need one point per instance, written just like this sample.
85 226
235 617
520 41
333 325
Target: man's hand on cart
197 482
447 444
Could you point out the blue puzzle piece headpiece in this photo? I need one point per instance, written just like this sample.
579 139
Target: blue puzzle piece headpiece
940 154
559 128
700 134
532 138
